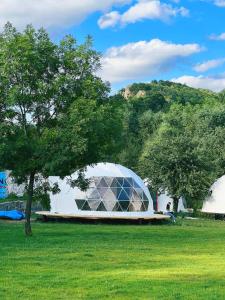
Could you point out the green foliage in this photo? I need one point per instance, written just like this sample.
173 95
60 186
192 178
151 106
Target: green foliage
181 157
175 92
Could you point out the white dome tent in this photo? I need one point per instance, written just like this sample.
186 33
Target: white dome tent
163 199
114 192
215 202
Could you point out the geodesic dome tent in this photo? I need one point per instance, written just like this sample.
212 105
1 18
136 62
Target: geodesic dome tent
112 189
215 202
164 199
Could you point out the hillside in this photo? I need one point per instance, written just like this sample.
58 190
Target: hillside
171 91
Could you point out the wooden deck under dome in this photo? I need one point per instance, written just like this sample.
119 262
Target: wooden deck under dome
105 216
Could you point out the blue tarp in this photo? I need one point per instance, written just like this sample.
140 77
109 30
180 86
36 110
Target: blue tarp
12 215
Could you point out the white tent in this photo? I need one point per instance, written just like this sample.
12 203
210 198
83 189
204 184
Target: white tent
113 191
215 202
163 199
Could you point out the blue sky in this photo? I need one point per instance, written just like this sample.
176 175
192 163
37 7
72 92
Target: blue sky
140 40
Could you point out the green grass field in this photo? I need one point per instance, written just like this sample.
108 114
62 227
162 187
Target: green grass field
85 261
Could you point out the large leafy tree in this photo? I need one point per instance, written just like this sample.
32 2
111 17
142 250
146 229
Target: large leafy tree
181 157
54 111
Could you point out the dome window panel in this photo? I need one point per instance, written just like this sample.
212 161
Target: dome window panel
116 191
123 195
126 183
139 192
124 205
86 206
120 181
108 180
102 183
80 203
93 194
101 207
136 185
117 207
128 191
93 204
109 204
115 183
130 180
131 207
137 205
102 191
135 196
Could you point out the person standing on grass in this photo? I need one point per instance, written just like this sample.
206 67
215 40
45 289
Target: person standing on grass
169 212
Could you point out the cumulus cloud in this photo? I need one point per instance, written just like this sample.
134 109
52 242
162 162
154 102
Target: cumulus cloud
220 37
216 83
51 13
209 64
143 9
220 3
144 58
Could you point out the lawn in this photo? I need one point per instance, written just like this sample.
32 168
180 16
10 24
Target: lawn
85 261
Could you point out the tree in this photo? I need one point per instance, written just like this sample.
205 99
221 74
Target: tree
180 157
55 114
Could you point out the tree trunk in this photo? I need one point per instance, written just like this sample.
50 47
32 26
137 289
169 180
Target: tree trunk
175 204
28 231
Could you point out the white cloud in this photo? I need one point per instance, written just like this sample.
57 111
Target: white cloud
51 13
220 3
144 9
144 58
210 64
220 37
215 84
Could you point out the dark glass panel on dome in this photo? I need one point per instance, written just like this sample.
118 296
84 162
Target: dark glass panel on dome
135 184
80 203
128 191
123 195
115 183
86 206
130 180
124 205
126 183
101 207
120 180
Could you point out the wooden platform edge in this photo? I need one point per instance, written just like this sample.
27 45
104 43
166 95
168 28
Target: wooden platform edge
95 217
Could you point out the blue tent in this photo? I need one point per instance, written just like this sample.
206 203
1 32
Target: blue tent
12 215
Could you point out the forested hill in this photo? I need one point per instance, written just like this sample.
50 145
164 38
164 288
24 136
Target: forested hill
174 135
171 91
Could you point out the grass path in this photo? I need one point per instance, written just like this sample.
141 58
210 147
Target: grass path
83 261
